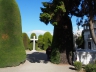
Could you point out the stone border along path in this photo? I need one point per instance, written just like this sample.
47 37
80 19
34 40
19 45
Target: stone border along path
37 62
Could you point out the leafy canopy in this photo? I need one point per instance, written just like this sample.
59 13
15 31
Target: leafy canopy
52 12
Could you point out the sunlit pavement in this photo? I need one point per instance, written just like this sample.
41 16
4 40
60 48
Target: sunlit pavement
37 62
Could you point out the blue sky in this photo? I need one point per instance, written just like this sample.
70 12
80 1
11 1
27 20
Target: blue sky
30 11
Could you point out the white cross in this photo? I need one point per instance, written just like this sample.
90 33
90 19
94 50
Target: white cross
34 43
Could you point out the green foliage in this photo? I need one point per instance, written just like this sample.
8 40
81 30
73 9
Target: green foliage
11 41
78 65
80 41
26 41
90 68
47 40
40 41
55 23
45 17
45 4
60 7
55 56
52 12
30 46
32 35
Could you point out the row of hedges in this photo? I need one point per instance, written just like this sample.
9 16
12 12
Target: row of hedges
26 41
43 41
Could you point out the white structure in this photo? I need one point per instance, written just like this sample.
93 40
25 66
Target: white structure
85 56
89 44
88 54
34 43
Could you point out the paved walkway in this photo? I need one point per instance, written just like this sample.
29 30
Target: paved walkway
37 62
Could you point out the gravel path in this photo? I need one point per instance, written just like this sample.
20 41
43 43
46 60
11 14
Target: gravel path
37 62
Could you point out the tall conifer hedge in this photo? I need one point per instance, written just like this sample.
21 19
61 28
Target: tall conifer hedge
47 40
26 41
12 50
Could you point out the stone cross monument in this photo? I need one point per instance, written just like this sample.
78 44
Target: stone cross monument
34 43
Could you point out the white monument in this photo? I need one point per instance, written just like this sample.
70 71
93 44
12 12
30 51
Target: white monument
88 54
34 39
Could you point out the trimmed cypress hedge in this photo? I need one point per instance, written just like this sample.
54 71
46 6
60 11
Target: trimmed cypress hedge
47 40
26 41
40 42
12 51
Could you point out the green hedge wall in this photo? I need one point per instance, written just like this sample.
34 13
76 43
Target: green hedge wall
47 40
12 51
26 41
40 41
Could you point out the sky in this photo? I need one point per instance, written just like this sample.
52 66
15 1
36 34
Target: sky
30 12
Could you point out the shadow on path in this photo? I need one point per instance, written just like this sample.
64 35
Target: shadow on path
72 68
37 57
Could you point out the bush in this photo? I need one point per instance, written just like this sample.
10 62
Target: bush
12 51
90 68
55 56
78 65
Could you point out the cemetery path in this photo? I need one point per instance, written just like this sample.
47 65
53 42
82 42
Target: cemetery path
37 62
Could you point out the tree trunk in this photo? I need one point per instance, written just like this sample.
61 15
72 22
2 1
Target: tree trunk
62 44
91 26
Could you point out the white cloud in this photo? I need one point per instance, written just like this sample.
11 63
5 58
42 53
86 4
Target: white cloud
38 32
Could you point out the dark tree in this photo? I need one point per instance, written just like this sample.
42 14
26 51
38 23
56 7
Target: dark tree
57 13
54 11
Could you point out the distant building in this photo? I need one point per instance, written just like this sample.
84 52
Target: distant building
88 54
88 42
